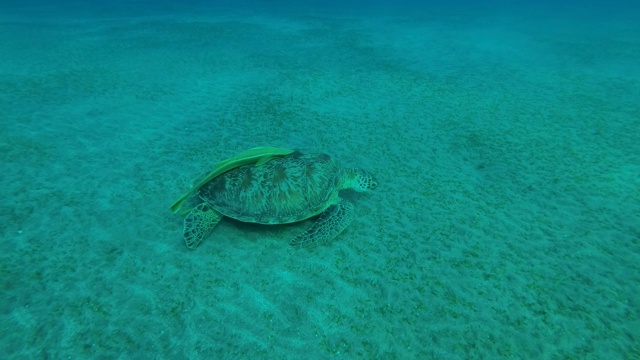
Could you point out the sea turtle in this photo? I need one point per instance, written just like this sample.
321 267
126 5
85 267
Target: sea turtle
284 189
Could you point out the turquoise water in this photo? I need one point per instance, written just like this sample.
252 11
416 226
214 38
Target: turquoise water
504 138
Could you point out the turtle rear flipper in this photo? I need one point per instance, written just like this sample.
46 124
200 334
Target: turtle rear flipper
199 223
331 223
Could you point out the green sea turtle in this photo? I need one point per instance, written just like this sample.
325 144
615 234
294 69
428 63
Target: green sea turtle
282 190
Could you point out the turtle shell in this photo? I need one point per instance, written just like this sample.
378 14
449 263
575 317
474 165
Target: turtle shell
283 190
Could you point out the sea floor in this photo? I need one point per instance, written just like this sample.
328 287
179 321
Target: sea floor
506 224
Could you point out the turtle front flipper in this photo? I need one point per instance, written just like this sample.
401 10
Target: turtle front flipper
199 223
331 223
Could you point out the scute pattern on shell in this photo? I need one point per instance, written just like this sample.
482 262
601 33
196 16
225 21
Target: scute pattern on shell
284 190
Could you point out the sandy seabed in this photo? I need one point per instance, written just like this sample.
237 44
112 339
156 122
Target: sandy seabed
506 223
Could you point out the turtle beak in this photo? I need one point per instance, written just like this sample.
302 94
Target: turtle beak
372 184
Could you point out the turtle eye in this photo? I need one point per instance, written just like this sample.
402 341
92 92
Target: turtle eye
370 183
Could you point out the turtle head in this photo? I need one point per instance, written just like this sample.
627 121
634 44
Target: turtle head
359 180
